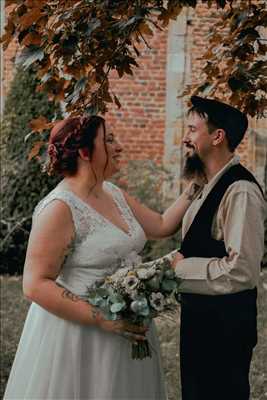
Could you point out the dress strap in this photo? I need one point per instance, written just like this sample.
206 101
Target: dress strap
67 197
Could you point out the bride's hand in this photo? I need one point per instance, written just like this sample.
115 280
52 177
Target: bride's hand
193 189
178 257
124 328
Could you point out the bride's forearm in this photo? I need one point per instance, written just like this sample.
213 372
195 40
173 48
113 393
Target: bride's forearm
66 305
173 216
156 225
61 302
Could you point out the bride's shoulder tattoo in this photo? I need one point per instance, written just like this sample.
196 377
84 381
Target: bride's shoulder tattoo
67 250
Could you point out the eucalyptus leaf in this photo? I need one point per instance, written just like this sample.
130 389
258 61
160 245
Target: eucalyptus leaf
117 307
170 274
140 306
103 292
95 300
154 282
169 285
110 315
116 298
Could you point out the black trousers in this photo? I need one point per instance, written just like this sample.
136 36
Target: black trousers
216 345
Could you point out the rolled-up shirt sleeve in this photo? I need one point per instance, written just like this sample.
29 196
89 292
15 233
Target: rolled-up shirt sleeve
242 221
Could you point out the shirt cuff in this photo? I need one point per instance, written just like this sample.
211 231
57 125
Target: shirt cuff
193 268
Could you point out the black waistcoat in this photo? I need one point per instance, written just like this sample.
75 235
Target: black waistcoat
198 241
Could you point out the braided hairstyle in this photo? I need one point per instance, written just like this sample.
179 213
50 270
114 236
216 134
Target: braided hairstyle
66 138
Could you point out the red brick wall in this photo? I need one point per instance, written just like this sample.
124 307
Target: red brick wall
8 64
140 123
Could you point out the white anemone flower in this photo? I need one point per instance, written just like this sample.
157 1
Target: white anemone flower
144 273
131 282
157 301
121 273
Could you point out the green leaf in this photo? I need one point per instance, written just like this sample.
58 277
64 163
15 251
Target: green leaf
153 283
140 307
102 292
117 307
170 274
116 298
169 285
95 300
110 315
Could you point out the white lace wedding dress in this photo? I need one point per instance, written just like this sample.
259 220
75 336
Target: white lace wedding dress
58 359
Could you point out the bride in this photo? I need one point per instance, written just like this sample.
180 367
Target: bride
82 231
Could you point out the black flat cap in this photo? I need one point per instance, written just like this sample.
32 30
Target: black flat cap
224 116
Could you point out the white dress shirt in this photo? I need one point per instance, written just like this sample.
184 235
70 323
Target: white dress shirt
239 222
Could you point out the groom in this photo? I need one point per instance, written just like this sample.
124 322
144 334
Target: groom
220 256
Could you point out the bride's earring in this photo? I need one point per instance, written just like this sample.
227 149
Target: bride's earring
84 154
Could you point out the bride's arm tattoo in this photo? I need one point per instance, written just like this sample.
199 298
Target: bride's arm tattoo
192 191
67 251
96 315
66 294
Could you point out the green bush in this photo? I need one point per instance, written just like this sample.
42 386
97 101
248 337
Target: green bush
152 185
23 184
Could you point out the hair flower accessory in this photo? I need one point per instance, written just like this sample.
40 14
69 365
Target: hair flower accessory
52 150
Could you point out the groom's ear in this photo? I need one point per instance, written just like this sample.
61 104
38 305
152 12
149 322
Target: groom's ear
84 154
218 137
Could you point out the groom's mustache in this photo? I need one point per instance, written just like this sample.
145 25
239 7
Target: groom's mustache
189 146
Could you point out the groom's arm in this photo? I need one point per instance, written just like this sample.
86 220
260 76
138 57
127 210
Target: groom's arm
243 232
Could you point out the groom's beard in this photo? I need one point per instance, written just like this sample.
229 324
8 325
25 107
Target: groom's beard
193 167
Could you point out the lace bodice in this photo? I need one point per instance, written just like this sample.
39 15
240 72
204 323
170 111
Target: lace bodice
99 247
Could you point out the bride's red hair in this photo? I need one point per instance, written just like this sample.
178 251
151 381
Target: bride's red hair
66 138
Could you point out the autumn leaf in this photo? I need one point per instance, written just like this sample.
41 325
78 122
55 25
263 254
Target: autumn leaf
34 3
84 41
35 150
31 38
29 18
145 29
8 35
10 2
40 124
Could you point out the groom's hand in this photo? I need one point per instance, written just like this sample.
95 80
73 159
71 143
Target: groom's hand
178 257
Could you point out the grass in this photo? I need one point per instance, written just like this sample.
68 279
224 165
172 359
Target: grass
14 308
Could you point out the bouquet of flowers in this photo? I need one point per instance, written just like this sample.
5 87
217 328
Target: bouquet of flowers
136 292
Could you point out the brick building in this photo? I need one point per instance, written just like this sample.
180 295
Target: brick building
150 123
